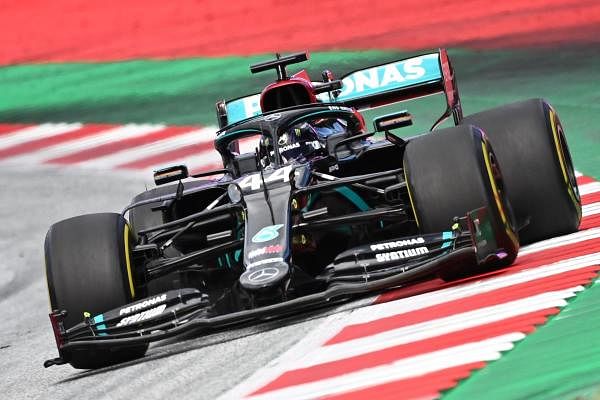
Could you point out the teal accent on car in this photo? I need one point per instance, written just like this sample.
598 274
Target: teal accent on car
353 197
389 77
448 236
267 233
98 321
311 199
345 191
242 108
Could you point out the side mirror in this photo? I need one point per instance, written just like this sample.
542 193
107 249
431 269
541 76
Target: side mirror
395 120
170 174
221 108
331 86
335 144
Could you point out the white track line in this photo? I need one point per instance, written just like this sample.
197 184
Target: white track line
196 136
590 209
387 309
200 161
589 188
103 137
435 327
485 350
206 159
560 241
463 291
36 132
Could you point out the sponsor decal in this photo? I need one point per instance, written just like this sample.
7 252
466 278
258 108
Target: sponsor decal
267 233
273 249
272 117
316 145
397 244
401 254
243 108
263 262
391 76
144 304
263 275
254 182
289 147
144 315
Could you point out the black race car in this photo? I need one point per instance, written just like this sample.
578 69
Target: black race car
310 208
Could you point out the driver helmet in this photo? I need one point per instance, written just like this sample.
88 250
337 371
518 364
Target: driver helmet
301 141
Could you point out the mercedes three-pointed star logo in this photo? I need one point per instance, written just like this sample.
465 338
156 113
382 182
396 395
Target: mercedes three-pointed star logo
272 117
263 275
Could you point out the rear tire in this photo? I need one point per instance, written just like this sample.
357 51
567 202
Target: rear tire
536 164
447 176
88 270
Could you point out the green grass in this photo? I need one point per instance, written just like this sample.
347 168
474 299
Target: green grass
184 91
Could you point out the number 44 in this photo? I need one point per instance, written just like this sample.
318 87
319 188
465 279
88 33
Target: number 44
254 181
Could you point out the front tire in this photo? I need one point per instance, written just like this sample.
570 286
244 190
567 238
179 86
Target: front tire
88 269
451 172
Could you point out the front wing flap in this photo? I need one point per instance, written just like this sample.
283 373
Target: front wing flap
364 269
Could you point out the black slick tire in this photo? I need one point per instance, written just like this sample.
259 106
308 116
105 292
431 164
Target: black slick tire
531 147
451 172
88 270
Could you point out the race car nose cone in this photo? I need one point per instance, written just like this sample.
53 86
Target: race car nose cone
265 276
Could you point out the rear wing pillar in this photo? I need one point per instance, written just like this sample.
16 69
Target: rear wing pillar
450 88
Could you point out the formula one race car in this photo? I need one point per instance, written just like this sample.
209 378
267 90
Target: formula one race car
311 208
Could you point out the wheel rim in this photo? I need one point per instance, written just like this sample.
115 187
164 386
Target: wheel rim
565 161
499 181
566 156
500 198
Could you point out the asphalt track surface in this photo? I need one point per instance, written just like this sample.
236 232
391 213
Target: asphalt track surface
201 368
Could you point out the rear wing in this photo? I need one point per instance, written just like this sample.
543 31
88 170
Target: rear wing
373 87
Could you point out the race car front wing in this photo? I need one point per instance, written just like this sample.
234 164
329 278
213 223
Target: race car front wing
364 269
